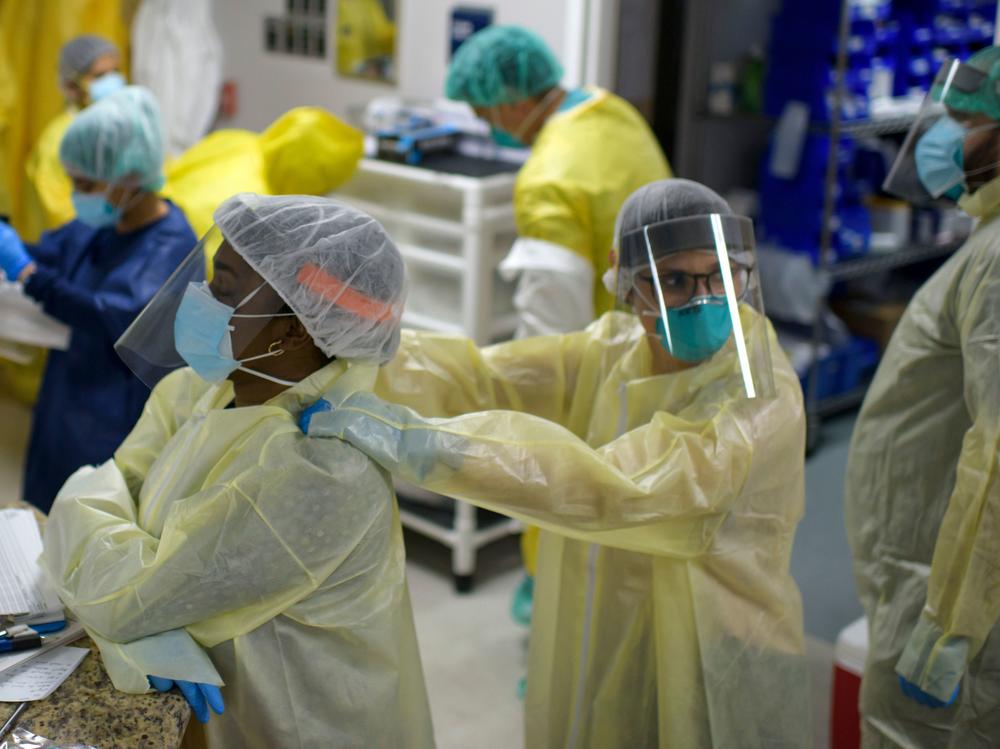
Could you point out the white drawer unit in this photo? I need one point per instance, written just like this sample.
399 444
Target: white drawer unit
452 230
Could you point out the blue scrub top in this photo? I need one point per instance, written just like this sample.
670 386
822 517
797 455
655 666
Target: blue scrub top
96 281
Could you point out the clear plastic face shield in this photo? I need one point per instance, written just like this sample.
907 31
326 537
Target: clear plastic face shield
953 147
216 326
693 282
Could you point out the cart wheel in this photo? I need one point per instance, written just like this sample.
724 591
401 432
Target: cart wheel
463 583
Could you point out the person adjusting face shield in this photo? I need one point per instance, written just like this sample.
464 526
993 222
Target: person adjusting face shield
219 529
567 194
951 150
667 491
95 274
922 492
89 70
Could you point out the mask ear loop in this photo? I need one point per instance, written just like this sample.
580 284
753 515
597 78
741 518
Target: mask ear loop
127 204
982 169
534 114
272 350
250 296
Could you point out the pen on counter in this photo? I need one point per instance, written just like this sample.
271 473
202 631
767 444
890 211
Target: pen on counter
20 642
10 721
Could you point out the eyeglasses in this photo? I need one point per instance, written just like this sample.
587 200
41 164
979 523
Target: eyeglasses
680 287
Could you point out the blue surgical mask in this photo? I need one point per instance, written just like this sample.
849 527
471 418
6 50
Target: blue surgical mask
203 335
939 155
504 139
698 329
105 85
93 209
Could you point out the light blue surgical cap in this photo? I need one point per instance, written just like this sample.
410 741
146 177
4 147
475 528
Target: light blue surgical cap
501 65
118 137
77 55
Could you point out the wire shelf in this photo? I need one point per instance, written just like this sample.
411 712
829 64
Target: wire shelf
871 264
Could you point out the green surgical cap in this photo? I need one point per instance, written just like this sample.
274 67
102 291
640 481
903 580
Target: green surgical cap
78 54
501 65
986 100
118 137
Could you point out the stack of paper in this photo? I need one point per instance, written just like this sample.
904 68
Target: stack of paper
39 677
25 596
25 322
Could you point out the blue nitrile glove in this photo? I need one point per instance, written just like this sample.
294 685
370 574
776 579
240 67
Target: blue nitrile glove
14 258
318 407
199 696
397 438
917 694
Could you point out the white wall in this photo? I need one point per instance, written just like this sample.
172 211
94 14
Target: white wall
270 84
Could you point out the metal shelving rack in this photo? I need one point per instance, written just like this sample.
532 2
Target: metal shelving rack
819 408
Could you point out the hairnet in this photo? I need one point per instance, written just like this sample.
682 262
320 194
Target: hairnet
334 266
987 99
501 65
78 54
118 137
664 200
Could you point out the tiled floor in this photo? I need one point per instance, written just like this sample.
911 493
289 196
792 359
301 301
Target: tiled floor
473 652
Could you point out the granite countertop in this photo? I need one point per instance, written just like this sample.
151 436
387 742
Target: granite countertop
87 709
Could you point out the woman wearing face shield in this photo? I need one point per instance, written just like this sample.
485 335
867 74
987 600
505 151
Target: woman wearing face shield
95 274
661 453
219 525
922 491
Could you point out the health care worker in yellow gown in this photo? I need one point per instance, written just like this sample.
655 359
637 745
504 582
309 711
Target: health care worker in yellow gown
568 192
218 520
89 70
922 495
662 458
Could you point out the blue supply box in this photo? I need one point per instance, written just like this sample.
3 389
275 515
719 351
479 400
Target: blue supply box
894 48
844 368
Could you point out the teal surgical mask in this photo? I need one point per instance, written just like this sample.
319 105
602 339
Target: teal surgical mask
939 155
504 139
94 209
697 330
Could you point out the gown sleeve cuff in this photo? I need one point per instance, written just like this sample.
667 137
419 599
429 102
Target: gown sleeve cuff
173 655
933 660
38 282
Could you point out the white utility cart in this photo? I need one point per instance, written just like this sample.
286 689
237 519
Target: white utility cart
453 221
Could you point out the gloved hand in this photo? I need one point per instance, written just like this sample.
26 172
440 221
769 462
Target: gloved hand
917 694
305 419
199 696
13 257
400 440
